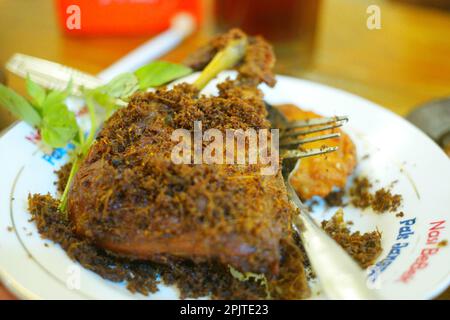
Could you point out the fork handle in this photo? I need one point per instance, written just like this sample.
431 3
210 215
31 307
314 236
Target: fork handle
340 276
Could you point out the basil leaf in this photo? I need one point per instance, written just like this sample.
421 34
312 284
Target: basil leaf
108 103
36 92
57 97
19 106
121 86
158 73
59 125
103 99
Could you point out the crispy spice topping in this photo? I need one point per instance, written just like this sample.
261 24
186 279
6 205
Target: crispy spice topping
364 248
381 201
192 279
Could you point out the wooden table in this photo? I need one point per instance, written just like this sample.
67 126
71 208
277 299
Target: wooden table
401 65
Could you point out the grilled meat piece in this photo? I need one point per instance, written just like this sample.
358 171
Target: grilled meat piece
317 176
130 198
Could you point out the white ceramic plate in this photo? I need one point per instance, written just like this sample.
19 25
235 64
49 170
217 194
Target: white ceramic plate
412 265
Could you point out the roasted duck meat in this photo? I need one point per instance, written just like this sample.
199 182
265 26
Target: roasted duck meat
129 198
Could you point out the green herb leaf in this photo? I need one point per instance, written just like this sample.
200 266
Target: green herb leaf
59 125
57 97
158 73
121 86
19 106
36 92
105 101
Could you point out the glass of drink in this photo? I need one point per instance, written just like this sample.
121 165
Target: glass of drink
290 25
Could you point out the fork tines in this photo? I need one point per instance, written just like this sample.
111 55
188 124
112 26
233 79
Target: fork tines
289 136
288 133
298 154
296 142
315 122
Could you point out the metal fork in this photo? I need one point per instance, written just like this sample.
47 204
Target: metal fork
339 274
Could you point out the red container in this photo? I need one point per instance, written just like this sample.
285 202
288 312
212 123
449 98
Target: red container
122 17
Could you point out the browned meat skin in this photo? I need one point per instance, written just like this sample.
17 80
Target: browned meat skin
254 69
317 176
130 198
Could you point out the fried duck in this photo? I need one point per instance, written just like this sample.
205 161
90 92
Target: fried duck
129 198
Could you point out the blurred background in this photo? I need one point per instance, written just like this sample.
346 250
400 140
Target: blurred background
403 63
